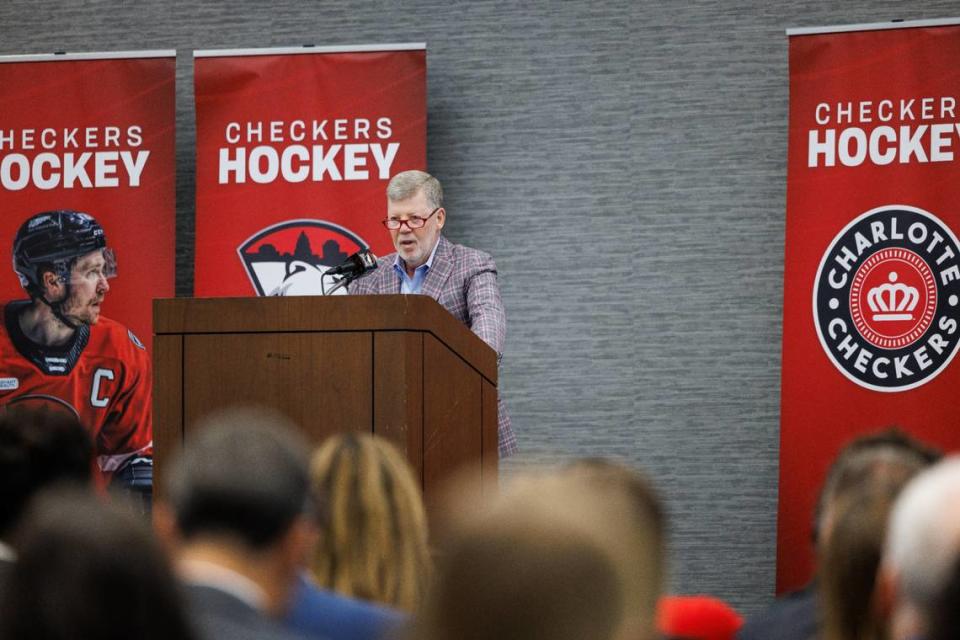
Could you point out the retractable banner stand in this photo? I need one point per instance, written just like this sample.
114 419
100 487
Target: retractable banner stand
872 265
295 148
94 133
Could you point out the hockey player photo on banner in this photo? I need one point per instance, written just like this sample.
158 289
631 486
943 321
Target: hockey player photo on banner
295 148
871 318
87 232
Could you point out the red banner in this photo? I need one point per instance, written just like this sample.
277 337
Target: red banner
294 152
872 265
94 133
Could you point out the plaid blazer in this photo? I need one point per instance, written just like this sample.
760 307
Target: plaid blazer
464 282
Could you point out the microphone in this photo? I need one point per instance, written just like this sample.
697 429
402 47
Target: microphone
360 263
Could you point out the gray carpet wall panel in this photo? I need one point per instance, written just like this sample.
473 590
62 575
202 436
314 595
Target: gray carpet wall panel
625 163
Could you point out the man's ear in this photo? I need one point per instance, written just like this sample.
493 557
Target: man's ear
441 217
299 542
53 288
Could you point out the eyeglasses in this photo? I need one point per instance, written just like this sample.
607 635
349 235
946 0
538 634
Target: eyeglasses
413 222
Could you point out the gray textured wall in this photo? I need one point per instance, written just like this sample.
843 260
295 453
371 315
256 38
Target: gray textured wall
625 163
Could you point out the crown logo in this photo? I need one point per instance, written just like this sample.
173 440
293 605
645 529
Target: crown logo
893 301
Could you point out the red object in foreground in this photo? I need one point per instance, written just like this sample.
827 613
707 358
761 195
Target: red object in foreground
697 618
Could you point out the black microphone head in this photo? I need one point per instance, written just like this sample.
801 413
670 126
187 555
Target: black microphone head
356 265
368 259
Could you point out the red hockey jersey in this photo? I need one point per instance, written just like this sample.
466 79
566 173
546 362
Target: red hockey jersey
103 377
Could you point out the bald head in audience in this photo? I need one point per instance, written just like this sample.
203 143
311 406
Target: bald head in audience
922 546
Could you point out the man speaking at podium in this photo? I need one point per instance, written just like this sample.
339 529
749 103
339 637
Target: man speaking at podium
462 279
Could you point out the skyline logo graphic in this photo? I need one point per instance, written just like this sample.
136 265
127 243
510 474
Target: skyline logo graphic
290 258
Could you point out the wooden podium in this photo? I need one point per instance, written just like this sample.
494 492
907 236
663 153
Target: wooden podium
397 366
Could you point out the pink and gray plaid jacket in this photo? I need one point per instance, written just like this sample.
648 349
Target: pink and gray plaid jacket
464 281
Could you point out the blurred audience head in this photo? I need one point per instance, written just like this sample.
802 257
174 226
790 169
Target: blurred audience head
644 525
881 458
849 559
540 562
239 495
38 448
87 569
242 475
921 548
373 527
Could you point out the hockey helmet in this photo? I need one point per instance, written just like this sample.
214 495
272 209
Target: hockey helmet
52 241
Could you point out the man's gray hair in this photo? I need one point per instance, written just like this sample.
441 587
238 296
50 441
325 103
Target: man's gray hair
407 183
923 537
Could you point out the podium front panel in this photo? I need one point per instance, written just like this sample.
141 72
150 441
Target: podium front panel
398 393
321 381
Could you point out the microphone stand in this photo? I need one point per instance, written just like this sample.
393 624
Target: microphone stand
344 281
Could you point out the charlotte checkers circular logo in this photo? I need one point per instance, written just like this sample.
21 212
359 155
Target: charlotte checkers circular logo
886 301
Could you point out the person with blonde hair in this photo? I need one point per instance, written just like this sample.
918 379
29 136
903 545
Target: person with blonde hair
371 561
374 544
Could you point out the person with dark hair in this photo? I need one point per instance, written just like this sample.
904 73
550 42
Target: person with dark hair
88 569
57 350
884 458
37 449
236 509
876 458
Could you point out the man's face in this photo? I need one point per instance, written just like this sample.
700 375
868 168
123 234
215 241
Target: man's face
415 245
88 286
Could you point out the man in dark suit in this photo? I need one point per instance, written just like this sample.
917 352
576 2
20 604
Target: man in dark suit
462 279
235 513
